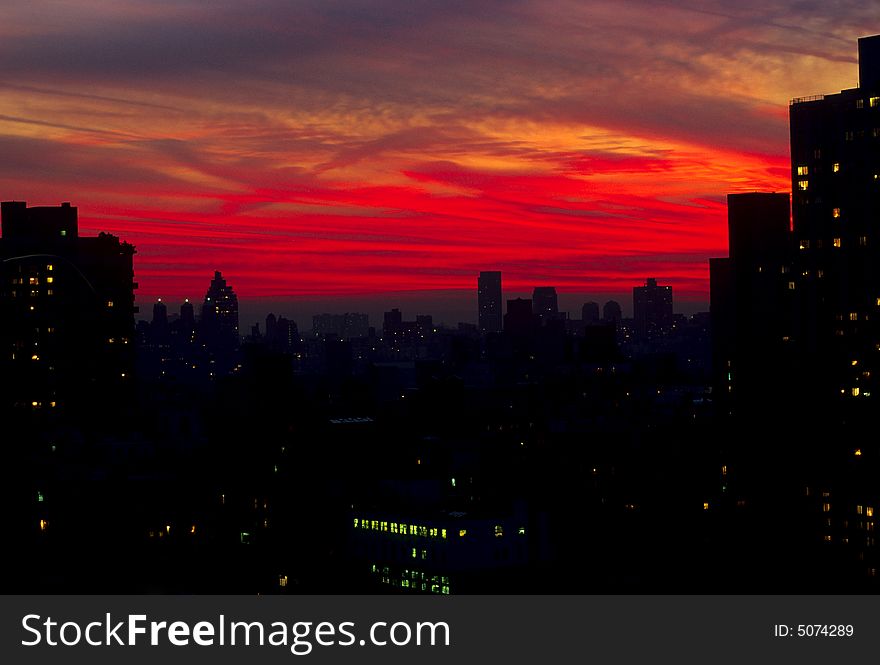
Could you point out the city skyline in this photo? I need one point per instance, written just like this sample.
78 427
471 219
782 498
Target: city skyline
302 154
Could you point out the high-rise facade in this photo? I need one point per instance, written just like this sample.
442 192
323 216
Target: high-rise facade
652 310
751 302
219 323
545 303
835 174
67 311
489 301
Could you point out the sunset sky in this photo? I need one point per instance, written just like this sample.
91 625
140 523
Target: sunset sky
315 149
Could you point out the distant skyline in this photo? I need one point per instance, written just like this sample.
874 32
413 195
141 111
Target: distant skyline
338 151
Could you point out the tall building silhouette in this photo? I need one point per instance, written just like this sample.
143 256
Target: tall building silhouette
67 311
520 319
751 303
652 310
590 313
611 312
489 301
835 172
545 303
219 323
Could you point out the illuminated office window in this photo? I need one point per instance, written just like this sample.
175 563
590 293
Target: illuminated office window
874 102
835 213
835 167
803 170
836 242
863 241
499 531
803 185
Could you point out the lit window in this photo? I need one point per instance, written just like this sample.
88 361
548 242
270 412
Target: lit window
873 102
424 554
791 286
803 185
33 280
705 505
43 525
836 242
835 167
462 533
50 267
109 303
860 103
826 507
869 511
415 553
63 233
282 581
803 170
853 316
804 244
857 452
521 531
858 510
863 241
875 132
855 391
499 531
835 213
848 136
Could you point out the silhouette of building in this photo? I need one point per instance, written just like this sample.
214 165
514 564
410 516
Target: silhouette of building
489 301
652 310
835 206
520 320
590 313
751 301
611 312
219 322
67 307
343 326
545 304
159 325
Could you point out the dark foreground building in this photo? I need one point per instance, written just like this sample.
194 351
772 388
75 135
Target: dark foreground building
67 312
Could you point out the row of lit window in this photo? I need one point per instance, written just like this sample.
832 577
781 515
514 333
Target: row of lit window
415 580
835 242
403 529
873 102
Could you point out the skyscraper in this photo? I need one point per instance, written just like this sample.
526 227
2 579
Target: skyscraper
219 324
545 303
489 301
67 311
835 172
751 303
611 312
652 310
590 313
